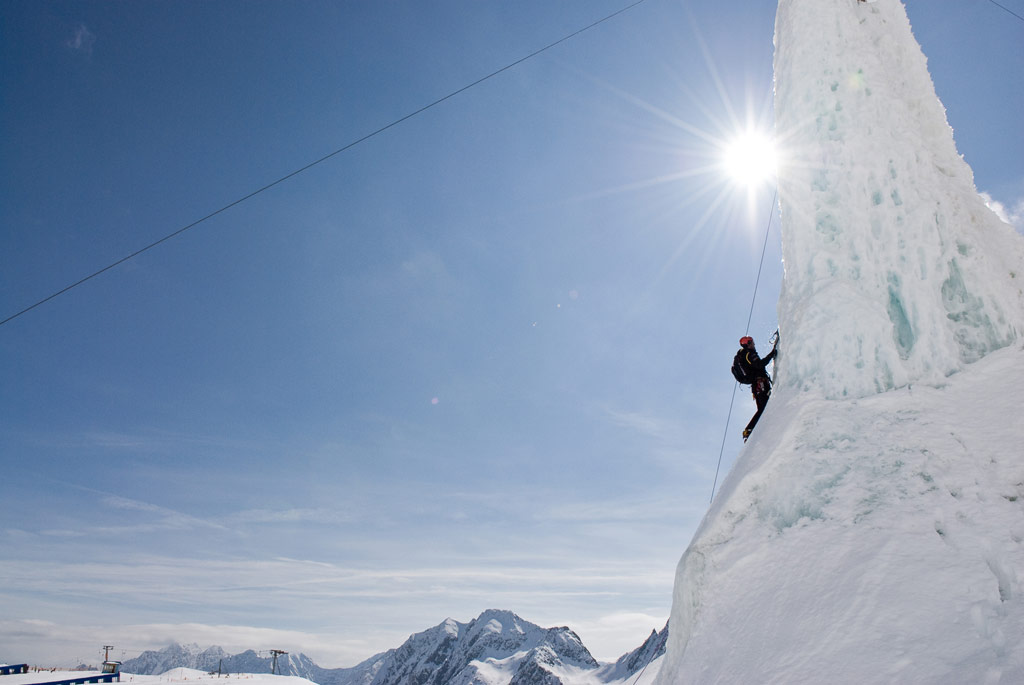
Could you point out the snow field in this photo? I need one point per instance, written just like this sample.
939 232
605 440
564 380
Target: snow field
176 675
191 675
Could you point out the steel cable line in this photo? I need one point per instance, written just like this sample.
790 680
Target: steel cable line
323 159
1004 7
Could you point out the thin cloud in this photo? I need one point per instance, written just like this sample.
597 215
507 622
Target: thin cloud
426 265
166 518
648 509
320 516
154 518
244 583
223 593
146 441
604 635
668 439
83 40
34 640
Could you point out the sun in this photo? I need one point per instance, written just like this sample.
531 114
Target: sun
750 159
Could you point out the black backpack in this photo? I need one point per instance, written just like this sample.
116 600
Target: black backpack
740 370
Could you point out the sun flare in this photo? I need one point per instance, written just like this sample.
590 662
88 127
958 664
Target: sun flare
750 159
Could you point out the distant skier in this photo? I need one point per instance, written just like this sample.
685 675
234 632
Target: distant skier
749 368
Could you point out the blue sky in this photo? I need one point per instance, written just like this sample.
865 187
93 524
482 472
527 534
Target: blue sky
479 360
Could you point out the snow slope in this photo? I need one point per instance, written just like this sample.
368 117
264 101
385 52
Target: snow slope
872 530
872 540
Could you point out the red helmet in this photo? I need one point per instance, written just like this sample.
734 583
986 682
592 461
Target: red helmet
746 340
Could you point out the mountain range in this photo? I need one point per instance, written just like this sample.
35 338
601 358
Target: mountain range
496 648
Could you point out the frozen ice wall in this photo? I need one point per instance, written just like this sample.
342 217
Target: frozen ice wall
872 530
895 270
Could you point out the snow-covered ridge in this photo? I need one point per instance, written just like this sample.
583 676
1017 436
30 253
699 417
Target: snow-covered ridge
496 648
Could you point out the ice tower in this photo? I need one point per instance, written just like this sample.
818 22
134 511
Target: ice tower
872 530
895 270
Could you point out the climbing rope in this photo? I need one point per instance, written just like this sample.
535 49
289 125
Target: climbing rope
757 283
750 316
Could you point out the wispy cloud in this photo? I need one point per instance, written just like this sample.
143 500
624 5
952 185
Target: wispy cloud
146 441
645 510
426 265
159 440
161 519
165 518
109 440
668 440
239 603
647 425
1013 215
320 516
82 41
240 584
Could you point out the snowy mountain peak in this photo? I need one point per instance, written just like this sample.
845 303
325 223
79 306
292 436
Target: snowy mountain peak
498 621
496 648
496 641
451 627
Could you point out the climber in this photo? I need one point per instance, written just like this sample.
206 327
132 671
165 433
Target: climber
749 367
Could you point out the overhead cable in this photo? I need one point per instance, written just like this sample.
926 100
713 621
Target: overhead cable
326 157
1004 7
